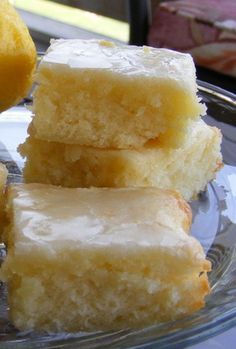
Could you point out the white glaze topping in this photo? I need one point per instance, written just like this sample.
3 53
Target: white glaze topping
123 59
52 217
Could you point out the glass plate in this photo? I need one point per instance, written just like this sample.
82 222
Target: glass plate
214 224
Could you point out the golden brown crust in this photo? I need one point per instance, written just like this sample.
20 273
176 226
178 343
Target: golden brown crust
204 289
206 265
3 178
184 206
219 162
219 165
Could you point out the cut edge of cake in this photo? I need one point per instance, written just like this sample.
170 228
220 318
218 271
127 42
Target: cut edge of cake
187 169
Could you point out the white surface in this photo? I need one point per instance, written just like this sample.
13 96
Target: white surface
13 130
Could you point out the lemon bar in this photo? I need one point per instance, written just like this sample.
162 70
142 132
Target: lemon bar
98 94
17 57
187 169
100 258
3 179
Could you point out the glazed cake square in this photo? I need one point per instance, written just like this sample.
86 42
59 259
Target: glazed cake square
99 94
100 258
187 169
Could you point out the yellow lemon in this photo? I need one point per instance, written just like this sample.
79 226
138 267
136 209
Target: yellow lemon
17 57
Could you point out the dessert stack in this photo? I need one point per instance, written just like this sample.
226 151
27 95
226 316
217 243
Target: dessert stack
119 116
93 259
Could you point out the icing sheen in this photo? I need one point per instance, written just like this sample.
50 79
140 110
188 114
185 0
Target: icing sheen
122 59
52 216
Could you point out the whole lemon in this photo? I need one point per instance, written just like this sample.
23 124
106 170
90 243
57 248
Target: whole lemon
17 57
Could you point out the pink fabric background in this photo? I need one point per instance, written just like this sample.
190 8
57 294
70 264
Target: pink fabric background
204 28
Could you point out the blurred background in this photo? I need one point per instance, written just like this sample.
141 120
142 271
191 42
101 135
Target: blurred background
206 28
74 19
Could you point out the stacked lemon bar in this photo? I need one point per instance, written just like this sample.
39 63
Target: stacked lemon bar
119 116
109 258
100 258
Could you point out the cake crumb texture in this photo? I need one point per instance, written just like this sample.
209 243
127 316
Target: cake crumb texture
187 169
